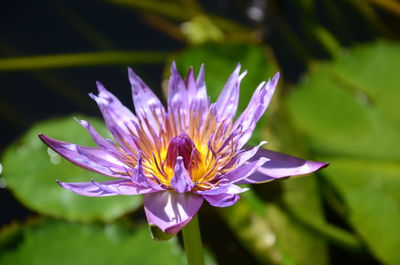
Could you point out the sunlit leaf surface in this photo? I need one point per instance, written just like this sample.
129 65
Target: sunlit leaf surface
58 242
348 109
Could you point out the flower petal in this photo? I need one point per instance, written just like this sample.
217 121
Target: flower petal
222 200
280 166
181 181
138 175
227 102
190 82
230 188
243 171
258 104
177 92
197 92
91 158
147 105
107 188
222 196
103 143
200 81
119 119
171 211
246 155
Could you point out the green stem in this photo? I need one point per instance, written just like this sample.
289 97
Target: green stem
327 40
192 242
81 59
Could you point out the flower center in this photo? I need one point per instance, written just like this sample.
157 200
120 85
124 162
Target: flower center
184 147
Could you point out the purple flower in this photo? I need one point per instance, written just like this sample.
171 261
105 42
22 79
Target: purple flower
180 155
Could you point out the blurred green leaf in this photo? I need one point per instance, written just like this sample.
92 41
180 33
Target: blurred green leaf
252 230
299 196
348 109
31 169
201 29
273 236
371 192
158 235
60 242
221 59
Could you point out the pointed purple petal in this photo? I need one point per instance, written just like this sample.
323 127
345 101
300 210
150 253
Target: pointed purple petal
226 105
191 83
197 92
258 104
178 99
91 158
98 139
246 155
243 171
181 181
229 188
222 196
107 188
177 93
147 105
280 166
124 187
171 211
86 189
139 177
119 119
200 83
222 200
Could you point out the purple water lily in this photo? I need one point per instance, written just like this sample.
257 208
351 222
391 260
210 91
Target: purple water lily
180 155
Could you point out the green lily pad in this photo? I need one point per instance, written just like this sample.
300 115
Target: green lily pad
60 242
348 111
372 196
31 169
300 196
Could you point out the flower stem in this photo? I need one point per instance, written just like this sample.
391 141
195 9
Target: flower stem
192 242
